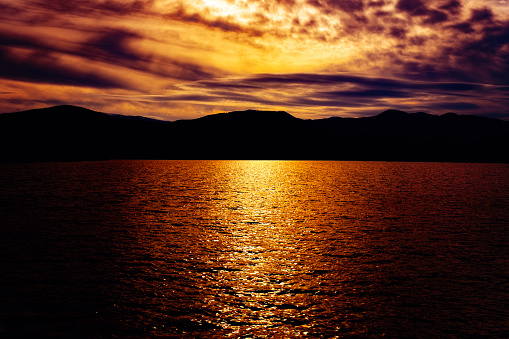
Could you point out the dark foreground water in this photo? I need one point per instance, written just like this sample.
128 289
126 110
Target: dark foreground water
254 249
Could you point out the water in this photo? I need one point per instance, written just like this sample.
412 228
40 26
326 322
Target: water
254 249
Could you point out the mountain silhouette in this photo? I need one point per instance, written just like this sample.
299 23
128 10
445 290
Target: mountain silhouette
70 133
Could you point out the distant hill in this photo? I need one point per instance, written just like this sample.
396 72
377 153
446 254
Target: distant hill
70 133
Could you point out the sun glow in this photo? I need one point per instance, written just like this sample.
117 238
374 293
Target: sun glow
240 10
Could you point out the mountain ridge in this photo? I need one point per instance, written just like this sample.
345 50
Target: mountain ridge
72 133
389 113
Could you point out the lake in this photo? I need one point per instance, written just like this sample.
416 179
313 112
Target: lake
254 249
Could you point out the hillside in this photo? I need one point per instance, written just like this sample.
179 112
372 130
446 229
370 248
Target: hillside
70 133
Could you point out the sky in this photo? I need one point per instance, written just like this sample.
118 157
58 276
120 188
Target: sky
179 59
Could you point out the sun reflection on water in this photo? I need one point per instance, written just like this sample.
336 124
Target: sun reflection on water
251 248
263 275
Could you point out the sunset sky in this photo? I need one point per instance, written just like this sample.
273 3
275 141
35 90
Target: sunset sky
175 59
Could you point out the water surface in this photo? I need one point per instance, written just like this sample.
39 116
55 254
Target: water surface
268 249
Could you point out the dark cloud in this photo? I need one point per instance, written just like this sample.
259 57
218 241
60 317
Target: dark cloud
474 51
10 39
214 96
223 24
232 85
481 15
413 7
492 42
375 3
44 68
8 10
190 71
62 13
464 27
487 57
368 93
421 70
435 16
456 87
113 45
369 82
93 8
353 7
247 97
41 63
319 79
325 103
346 5
382 14
453 7
359 92
182 97
126 7
431 16
398 32
455 106
119 47
417 40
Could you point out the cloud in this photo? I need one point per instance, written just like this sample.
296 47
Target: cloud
300 92
431 16
456 106
318 55
7 10
30 59
367 93
435 16
99 60
119 47
464 27
94 8
349 6
312 102
486 57
113 45
481 15
227 24
371 82
413 7
453 7
45 69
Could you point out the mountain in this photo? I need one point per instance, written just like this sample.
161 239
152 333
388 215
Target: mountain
70 133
